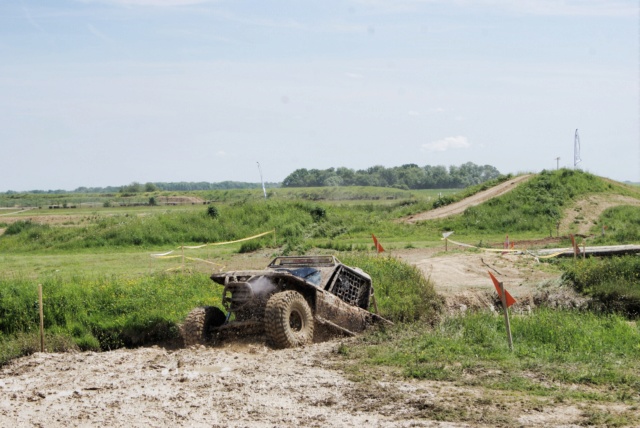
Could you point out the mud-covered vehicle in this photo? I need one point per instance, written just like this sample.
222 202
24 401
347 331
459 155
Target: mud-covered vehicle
292 301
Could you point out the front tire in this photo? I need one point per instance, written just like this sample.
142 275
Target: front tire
288 320
197 326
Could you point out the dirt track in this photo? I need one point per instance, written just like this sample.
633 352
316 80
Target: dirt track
460 206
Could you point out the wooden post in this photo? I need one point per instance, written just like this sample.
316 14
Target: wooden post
446 244
503 298
41 318
575 246
275 241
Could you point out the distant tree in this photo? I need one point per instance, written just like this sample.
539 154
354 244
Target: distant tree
298 178
134 187
408 176
333 181
150 187
347 175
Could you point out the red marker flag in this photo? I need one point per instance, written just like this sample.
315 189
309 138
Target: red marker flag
510 300
377 244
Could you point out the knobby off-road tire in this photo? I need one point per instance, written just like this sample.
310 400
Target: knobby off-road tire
197 326
288 320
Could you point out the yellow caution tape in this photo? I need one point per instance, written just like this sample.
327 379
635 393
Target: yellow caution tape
496 250
554 254
203 261
228 242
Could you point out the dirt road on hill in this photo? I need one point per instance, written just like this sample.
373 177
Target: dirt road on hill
478 198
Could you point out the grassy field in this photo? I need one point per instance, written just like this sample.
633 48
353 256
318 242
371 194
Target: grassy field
103 289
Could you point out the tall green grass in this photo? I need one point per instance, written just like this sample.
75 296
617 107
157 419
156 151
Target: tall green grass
296 223
101 312
402 292
613 282
622 226
553 350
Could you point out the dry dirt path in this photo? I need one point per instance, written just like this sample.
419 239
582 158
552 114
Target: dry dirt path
478 198
462 277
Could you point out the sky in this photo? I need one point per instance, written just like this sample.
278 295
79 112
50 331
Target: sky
97 93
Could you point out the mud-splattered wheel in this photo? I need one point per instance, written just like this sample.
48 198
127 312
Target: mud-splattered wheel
288 320
197 326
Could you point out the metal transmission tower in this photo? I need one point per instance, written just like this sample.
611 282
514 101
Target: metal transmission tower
576 150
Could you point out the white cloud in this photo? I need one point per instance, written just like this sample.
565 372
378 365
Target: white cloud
448 143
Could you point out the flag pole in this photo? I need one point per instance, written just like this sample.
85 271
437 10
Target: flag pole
503 298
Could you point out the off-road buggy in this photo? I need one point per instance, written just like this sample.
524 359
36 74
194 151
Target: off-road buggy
291 301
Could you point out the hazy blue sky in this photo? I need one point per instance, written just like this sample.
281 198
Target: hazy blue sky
97 93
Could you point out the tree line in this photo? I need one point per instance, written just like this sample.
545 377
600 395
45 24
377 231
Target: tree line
409 176
136 187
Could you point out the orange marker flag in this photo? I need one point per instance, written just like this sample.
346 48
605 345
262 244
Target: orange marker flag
510 300
377 244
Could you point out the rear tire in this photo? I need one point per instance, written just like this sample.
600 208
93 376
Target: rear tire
196 328
288 320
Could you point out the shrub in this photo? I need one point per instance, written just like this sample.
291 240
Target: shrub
318 213
213 212
250 246
21 226
612 281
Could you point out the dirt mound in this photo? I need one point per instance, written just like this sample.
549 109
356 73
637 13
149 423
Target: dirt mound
462 277
585 212
477 199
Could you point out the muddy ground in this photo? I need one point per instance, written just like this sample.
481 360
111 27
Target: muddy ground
243 385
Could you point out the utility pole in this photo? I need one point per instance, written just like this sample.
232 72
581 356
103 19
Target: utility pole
576 150
558 163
